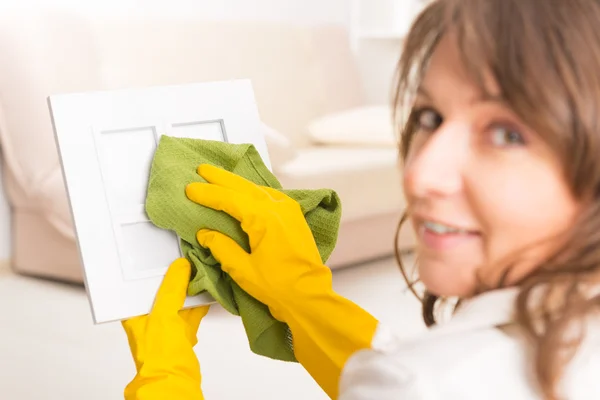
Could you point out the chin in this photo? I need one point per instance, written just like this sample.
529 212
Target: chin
444 282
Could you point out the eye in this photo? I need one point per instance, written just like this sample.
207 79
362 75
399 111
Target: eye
506 136
427 119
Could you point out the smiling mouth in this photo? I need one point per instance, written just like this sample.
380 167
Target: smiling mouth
442 229
442 237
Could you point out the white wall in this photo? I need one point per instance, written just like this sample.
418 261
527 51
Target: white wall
293 11
377 60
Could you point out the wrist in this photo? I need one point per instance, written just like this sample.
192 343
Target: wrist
327 329
328 310
162 386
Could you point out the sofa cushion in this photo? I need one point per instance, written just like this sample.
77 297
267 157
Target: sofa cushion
368 180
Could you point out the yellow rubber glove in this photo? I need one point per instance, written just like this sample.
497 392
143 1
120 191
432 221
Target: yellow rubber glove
162 343
284 271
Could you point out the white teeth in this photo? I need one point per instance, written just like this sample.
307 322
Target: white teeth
441 228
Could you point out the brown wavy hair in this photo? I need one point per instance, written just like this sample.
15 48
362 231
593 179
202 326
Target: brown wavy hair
545 57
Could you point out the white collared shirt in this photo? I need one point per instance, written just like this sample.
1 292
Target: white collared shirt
469 357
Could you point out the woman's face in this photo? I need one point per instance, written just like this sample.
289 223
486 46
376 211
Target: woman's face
480 185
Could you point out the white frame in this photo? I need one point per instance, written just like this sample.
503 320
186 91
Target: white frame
114 292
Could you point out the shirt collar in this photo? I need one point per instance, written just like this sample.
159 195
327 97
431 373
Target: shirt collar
487 310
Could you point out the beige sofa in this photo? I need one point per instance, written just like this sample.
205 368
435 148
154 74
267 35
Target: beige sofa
299 74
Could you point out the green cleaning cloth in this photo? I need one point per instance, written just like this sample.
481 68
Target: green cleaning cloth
173 167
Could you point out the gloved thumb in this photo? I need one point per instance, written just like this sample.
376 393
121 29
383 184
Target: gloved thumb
232 256
172 292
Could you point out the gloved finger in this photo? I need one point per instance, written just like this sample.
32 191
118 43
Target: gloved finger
173 289
193 317
221 198
276 194
224 178
234 260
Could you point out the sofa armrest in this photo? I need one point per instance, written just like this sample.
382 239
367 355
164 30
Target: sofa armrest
281 149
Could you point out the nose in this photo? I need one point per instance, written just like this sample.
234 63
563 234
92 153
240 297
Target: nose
436 167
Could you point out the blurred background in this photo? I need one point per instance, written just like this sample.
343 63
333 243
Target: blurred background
322 72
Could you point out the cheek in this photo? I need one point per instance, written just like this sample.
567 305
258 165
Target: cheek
521 215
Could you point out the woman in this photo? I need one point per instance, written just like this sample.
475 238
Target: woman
502 178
